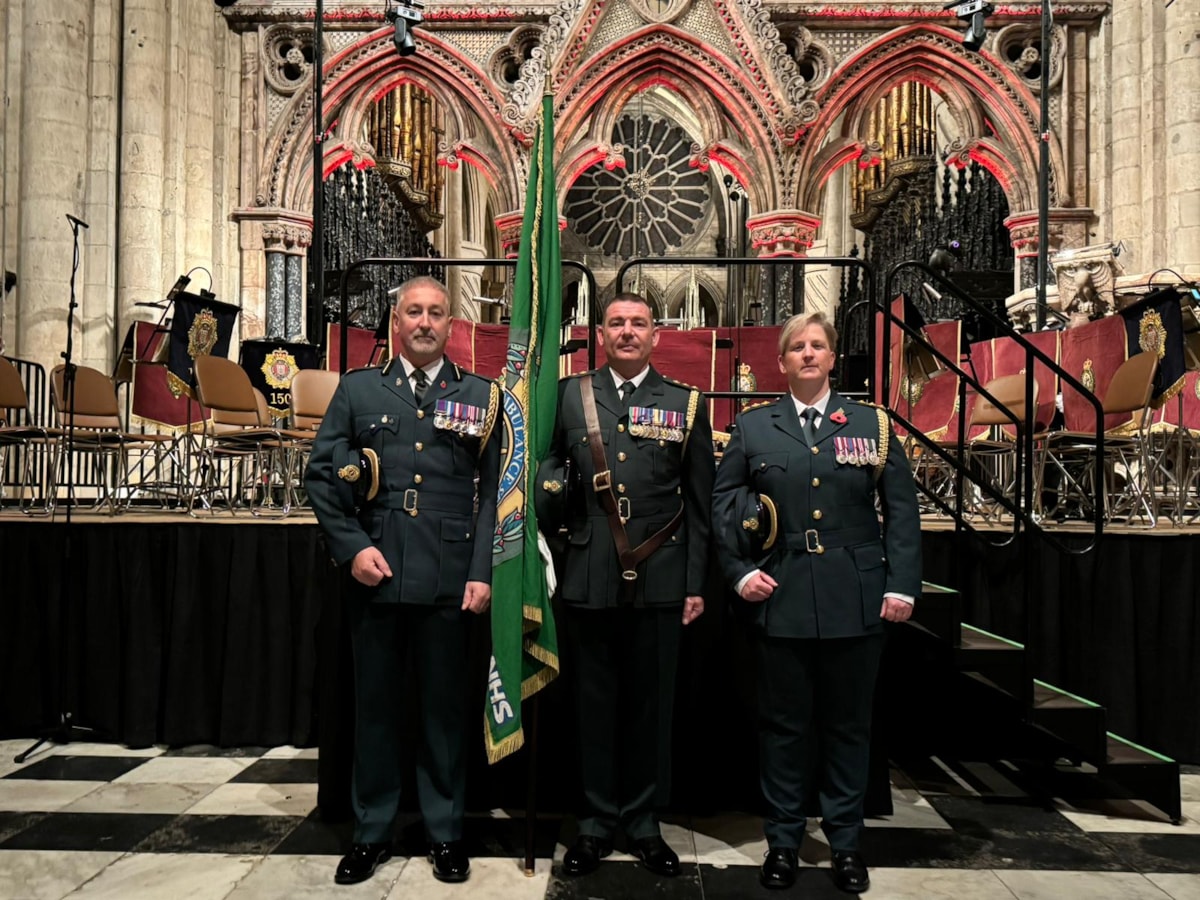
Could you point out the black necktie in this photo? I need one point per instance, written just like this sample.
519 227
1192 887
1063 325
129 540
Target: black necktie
420 384
627 390
808 420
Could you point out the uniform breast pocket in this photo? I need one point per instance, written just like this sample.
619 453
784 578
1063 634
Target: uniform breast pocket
768 470
579 446
376 431
660 457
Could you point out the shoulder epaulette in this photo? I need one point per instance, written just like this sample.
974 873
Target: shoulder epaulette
680 384
467 373
866 403
363 369
758 405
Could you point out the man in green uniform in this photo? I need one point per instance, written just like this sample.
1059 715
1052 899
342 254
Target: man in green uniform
807 471
403 479
635 451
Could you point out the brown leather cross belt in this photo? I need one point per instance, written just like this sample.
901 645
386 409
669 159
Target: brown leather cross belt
602 485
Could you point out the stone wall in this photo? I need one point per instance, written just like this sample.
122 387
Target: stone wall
145 118
1145 155
124 115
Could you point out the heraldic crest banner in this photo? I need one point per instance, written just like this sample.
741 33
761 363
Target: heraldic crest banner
200 326
272 364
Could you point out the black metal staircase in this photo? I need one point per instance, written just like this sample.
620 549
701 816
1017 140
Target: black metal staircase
1055 742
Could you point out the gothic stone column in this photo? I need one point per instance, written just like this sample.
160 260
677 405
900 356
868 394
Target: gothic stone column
53 158
1182 77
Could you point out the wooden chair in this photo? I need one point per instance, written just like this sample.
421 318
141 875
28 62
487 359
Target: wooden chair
244 458
1124 480
90 424
31 444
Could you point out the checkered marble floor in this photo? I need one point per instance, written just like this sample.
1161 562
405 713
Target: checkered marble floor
102 821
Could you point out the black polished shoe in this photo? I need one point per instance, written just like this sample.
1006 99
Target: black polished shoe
778 868
656 855
585 855
360 863
850 872
450 862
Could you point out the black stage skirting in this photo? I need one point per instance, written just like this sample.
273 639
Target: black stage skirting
186 632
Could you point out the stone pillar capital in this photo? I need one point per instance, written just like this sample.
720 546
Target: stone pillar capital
1068 228
281 230
783 232
508 225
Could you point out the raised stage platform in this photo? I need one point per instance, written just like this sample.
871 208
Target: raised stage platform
164 629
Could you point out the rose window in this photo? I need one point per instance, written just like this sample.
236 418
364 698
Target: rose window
655 203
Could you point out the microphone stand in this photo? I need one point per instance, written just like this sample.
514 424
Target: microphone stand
62 732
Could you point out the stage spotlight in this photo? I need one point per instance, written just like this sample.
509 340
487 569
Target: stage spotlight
975 13
404 19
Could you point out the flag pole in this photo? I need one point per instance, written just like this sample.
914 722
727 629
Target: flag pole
532 724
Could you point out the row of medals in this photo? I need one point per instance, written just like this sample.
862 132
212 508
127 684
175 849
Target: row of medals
856 451
659 424
460 418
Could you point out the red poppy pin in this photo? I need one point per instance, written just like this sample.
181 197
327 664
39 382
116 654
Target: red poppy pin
839 417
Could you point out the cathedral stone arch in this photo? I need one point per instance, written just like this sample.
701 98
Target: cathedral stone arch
355 78
739 126
997 114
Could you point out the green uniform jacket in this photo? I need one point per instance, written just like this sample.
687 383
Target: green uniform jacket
431 469
652 476
820 501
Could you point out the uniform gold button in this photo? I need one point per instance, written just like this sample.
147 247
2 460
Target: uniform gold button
815 451
816 482
620 428
816 514
419 446
420 413
620 488
621 456
762 465
584 441
418 479
662 443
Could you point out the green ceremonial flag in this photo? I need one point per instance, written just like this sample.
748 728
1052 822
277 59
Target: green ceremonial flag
524 644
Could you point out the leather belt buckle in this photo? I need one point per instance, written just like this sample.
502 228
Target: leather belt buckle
410 501
812 542
623 509
602 481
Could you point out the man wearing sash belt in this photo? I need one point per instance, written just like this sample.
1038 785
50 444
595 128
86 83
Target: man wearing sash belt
637 451
403 479
799 538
